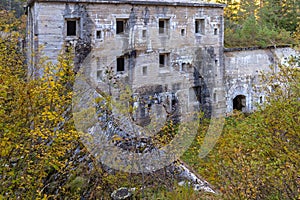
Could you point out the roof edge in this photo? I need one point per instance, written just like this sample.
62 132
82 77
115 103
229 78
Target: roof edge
233 49
137 2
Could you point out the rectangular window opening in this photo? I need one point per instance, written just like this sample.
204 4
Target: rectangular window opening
98 34
216 62
215 31
71 27
144 33
182 32
120 64
260 99
163 26
199 26
121 26
145 71
163 59
99 75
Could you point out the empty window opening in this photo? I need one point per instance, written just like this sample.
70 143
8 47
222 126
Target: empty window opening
182 32
99 34
215 97
144 71
239 103
121 26
199 26
99 75
260 99
71 28
120 64
163 26
144 33
215 31
163 60
216 62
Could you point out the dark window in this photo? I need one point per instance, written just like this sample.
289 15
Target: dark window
260 99
144 71
239 103
121 26
216 31
161 60
144 33
163 26
199 26
182 32
98 34
216 62
71 28
164 59
99 75
120 64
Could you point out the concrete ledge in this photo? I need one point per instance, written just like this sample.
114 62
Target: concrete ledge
254 48
140 2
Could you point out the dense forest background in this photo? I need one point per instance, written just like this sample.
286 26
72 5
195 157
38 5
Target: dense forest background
13 5
261 22
257 156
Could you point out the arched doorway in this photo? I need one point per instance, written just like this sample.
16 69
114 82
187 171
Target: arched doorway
239 103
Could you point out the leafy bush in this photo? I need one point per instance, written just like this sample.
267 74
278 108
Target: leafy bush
258 155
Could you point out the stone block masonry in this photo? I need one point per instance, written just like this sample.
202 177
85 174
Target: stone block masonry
242 74
175 45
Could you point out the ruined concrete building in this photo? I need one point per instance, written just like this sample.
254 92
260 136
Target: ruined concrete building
166 50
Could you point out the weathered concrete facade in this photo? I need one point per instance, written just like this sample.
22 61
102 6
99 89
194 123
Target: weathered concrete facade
242 74
163 49
167 51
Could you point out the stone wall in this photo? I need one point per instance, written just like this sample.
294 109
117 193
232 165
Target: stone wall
196 68
194 60
242 72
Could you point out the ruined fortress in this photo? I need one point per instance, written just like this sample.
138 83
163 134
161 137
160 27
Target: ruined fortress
166 50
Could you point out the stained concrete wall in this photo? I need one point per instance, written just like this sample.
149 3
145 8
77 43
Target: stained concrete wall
197 63
242 72
195 59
